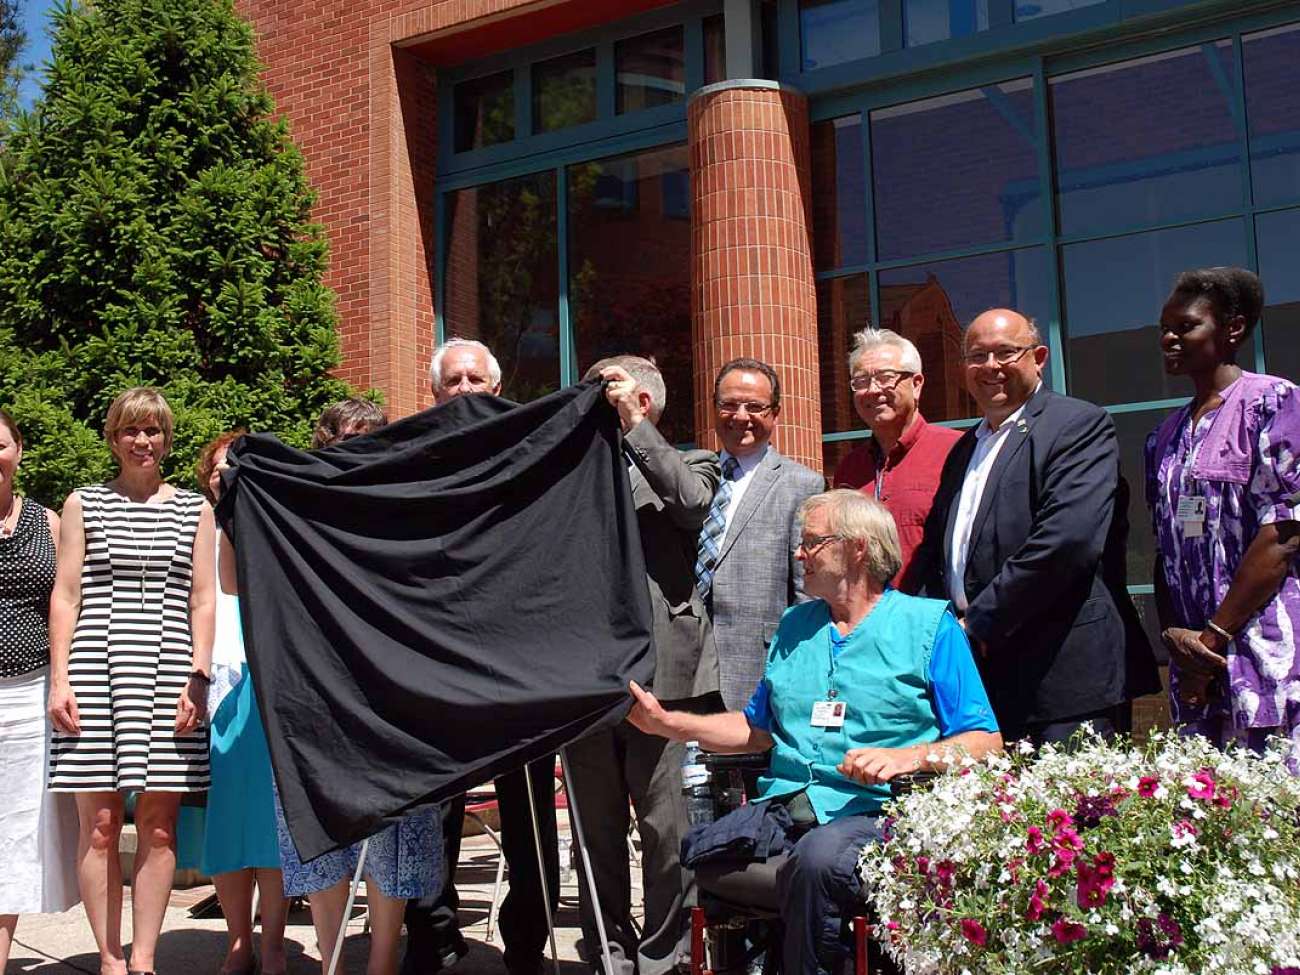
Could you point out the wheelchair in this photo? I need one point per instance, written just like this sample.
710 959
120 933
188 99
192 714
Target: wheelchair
737 921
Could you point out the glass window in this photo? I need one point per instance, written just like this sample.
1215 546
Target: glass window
1278 238
502 279
956 170
771 60
1114 290
715 49
1029 9
843 307
485 111
1147 141
836 31
564 91
1273 110
650 69
839 199
932 303
1131 430
927 21
635 299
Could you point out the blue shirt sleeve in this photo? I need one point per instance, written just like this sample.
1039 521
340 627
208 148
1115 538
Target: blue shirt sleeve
758 711
960 701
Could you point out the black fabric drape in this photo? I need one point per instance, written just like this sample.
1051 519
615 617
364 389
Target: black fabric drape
435 603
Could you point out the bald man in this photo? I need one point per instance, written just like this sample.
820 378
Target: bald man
1026 540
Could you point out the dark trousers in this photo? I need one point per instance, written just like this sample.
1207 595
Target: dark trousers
1108 722
432 928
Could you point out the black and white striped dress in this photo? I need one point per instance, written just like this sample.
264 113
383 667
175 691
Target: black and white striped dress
132 648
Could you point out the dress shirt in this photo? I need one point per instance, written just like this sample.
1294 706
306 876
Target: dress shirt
988 444
907 480
744 475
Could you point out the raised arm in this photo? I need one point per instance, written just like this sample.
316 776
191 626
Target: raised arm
728 733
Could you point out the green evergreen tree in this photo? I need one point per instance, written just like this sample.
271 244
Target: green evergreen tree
155 229
12 40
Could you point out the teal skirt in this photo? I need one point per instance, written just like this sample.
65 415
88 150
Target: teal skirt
239 832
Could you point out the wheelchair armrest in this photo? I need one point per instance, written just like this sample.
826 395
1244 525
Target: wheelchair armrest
901 785
722 763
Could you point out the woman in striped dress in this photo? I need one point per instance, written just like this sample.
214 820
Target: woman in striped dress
131 622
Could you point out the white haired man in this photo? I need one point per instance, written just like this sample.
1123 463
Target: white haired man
900 465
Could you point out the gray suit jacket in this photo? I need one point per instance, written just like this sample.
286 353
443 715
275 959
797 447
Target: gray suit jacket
757 576
672 491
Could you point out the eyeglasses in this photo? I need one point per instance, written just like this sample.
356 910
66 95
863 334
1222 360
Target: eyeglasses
885 379
1003 357
753 409
814 542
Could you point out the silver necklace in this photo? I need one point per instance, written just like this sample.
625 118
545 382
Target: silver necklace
5 530
145 561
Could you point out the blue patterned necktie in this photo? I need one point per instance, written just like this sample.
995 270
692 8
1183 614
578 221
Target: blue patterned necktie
715 526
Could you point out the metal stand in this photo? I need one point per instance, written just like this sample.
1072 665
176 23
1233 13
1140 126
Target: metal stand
347 910
586 865
541 865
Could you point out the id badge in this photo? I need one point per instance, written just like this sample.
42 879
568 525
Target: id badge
1191 512
828 714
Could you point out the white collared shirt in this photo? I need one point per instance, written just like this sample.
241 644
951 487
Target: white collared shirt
988 444
748 464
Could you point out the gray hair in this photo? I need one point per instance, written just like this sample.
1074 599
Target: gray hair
646 374
435 363
853 516
874 338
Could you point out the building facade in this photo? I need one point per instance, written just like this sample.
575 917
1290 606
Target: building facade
568 179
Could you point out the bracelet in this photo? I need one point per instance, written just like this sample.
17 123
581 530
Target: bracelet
200 675
1214 627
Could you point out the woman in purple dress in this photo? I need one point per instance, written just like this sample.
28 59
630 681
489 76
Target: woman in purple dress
1223 485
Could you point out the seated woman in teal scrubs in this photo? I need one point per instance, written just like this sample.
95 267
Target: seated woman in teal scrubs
862 684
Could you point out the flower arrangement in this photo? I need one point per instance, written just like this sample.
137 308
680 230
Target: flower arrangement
1173 858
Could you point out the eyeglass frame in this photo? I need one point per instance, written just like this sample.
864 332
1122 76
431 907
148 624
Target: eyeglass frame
818 542
872 380
1016 352
750 409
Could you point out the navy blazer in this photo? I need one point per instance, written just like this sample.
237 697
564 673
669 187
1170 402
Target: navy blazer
1042 582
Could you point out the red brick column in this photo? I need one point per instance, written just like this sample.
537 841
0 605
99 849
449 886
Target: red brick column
752 290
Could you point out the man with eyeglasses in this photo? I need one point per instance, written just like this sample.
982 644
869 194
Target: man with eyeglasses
745 565
899 466
1020 538
461 367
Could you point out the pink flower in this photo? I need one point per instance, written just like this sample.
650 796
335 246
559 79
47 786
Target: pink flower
1095 882
1067 932
1184 827
945 871
1058 819
1104 863
1035 843
1061 863
923 865
974 932
1147 786
1067 839
1202 785
1036 908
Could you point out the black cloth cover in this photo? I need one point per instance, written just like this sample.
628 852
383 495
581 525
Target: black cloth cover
436 603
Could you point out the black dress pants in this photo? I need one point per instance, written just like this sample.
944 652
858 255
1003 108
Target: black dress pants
433 932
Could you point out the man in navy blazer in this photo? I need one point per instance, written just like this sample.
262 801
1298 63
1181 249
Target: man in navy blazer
1020 539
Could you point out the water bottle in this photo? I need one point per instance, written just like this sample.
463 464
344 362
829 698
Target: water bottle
695 786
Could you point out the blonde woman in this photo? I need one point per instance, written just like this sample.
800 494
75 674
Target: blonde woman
131 621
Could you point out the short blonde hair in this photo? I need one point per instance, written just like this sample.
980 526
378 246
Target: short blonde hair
853 516
138 405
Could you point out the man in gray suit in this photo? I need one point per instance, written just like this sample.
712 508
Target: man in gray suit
671 490
745 566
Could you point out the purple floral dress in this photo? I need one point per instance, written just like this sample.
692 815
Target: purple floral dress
1263 666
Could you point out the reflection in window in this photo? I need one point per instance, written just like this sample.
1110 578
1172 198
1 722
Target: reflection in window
502 279
840 202
485 111
650 70
931 304
1278 239
1029 9
1147 141
843 307
1114 290
956 170
1131 431
564 91
836 31
1273 109
715 49
927 21
635 300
